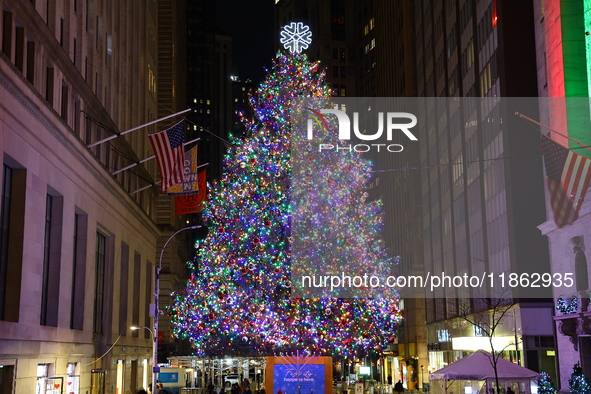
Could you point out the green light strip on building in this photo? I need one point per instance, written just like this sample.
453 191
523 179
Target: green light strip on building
576 51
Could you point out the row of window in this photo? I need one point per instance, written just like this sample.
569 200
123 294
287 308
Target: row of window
23 54
54 283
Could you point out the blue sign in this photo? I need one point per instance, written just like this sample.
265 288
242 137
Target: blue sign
298 379
168 377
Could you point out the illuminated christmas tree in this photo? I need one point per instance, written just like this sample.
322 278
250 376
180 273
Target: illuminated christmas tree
238 300
545 385
578 383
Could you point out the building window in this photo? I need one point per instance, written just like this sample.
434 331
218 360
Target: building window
51 261
64 111
7 33
49 84
4 234
78 271
77 111
109 44
73 377
137 266
31 61
19 51
46 253
99 283
148 294
12 223
123 322
335 71
152 81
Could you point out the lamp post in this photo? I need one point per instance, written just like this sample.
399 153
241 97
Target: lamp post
156 310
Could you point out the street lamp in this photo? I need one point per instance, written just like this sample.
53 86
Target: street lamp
147 328
156 310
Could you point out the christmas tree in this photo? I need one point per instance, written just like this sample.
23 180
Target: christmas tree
578 383
239 297
545 385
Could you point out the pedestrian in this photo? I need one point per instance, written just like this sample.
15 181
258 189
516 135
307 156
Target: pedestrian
247 390
509 390
398 387
390 380
210 387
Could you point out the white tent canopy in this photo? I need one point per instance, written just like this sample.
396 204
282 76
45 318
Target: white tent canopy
478 367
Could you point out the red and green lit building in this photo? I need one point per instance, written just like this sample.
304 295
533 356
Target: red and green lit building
563 42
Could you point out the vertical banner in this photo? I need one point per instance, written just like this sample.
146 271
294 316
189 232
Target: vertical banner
192 203
190 185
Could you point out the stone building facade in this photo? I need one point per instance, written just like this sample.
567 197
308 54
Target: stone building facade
78 247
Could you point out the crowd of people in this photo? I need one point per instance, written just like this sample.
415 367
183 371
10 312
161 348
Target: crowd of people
235 389
211 389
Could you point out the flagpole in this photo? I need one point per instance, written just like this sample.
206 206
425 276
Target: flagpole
146 159
157 183
560 134
136 128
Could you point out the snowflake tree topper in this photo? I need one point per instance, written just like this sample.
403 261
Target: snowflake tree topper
295 37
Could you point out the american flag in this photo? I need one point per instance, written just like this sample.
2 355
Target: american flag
170 155
568 179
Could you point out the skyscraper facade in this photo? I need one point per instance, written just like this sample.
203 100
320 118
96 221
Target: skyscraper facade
474 171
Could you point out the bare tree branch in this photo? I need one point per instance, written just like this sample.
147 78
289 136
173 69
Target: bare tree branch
487 322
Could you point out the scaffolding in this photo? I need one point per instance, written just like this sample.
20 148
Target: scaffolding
221 372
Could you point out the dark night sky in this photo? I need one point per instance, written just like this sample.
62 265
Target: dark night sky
250 23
